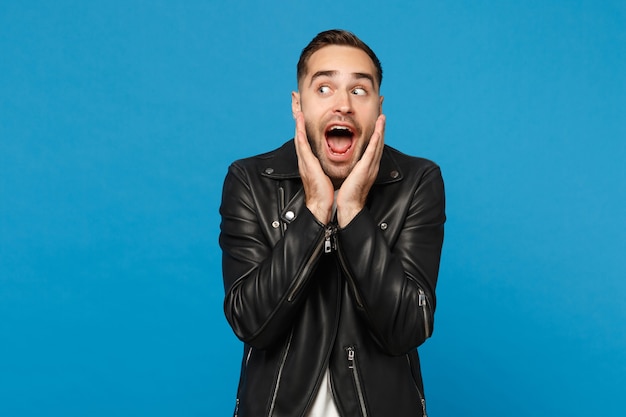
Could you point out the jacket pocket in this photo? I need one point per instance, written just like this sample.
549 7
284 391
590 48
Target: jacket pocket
280 373
417 388
353 365
244 370
426 311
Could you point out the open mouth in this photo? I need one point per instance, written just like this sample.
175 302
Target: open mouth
339 138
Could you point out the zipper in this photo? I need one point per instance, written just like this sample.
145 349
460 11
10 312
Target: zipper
330 241
419 392
280 372
328 233
246 370
352 365
423 303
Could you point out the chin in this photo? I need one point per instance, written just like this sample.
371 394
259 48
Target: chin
338 175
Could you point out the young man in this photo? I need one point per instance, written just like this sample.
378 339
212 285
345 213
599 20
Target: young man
331 247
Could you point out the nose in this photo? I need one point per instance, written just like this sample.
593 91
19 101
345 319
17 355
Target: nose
343 103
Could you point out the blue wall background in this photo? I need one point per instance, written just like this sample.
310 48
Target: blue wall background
118 120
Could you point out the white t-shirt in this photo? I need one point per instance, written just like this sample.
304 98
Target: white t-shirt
324 404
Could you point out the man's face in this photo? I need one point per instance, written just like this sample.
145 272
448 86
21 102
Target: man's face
340 100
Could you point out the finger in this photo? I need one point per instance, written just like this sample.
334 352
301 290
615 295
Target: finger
374 149
308 164
298 128
380 131
300 139
303 149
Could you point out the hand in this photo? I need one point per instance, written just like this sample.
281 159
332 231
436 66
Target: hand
352 195
318 189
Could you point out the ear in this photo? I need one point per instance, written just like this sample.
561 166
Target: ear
380 105
295 103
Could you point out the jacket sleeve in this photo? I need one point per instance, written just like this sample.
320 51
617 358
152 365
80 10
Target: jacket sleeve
265 278
393 284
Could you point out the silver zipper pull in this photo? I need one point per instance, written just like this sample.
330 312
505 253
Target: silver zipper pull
328 241
421 299
351 357
328 247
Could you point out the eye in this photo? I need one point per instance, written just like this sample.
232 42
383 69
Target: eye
324 89
359 91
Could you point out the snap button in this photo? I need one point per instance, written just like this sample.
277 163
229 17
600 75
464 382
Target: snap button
269 170
275 224
394 174
290 215
383 226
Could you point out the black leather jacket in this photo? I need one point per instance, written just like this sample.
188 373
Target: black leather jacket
302 295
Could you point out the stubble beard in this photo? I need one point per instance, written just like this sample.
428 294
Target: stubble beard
337 174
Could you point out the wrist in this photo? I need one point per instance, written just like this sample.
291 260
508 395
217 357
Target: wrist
346 214
321 213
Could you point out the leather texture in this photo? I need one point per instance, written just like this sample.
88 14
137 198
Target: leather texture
362 309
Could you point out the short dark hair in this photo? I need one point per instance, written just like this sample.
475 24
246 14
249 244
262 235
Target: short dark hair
336 37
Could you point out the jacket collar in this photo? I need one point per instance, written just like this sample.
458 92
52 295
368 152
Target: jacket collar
283 164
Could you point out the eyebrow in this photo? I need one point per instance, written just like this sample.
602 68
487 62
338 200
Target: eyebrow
331 73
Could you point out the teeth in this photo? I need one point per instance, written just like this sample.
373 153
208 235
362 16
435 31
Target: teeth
344 128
